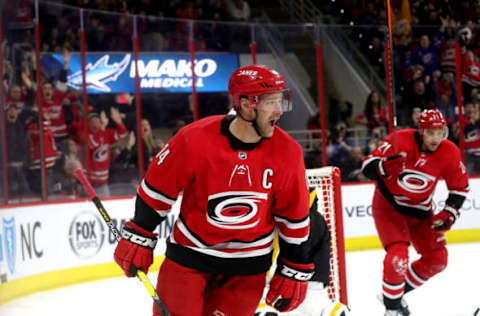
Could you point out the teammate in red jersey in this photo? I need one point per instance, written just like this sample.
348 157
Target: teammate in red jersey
242 177
407 167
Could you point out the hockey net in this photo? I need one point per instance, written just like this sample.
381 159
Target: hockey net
327 182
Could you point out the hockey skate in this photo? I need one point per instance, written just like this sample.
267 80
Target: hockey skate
403 311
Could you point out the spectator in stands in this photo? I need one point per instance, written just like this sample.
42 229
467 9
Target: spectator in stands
54 103
352 169
16 97
71 162
446 40
8 74
376 137
239 10
313 157
445 85
150 147
338 149
124 174
374 114
50 153
418 94
474 94
100 138
16 143
425 56
401 24
472 138
470 72
447 107
413 122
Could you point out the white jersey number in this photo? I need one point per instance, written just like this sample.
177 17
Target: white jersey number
162 154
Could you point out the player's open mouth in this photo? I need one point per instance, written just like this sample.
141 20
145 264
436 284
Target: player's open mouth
273 122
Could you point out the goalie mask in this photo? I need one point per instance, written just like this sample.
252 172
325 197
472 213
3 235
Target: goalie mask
257 82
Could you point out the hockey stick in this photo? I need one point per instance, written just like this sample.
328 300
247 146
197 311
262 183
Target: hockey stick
140 274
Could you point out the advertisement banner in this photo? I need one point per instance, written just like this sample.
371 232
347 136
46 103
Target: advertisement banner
158 72
357 208
43 238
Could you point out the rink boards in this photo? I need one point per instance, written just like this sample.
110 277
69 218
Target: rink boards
55 244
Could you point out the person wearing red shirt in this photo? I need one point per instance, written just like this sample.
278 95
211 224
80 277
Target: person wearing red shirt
374 115
242 178
99 140
50 153
407 166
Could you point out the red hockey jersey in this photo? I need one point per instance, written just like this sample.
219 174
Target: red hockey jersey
447 56
50 154
411 191
99 146
470 71
55 113
234 194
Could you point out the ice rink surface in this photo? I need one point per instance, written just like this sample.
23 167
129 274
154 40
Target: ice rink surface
455 292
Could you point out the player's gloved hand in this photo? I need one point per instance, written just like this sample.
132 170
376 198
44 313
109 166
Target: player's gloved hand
288 286
392 165
443 221
135 249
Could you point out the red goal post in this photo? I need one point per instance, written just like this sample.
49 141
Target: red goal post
327 182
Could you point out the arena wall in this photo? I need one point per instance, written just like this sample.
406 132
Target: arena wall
45 246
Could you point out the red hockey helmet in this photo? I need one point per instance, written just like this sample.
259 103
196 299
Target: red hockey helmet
431 119
254 81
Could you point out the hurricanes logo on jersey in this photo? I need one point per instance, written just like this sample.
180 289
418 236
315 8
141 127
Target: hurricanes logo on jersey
235 210
101 153
415 181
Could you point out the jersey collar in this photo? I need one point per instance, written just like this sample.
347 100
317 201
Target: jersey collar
234 142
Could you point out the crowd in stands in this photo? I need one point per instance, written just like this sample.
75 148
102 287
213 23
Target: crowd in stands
106 143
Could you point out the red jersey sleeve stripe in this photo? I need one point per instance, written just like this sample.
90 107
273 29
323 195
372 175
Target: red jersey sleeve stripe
293 240
156 195
293 224
462 193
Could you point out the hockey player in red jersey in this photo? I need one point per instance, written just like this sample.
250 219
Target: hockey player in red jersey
242 177
407 167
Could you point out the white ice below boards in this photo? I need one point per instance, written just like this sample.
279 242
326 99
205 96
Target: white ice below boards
451 293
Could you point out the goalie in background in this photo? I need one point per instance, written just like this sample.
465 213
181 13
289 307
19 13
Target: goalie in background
317 301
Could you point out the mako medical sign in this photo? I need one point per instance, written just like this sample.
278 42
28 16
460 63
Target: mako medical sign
161 72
